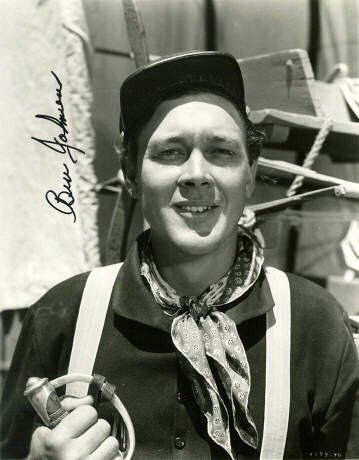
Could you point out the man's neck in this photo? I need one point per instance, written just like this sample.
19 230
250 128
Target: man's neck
192 274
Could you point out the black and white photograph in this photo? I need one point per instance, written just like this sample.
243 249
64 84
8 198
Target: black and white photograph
179 208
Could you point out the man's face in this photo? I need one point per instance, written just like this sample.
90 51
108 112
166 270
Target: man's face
193 175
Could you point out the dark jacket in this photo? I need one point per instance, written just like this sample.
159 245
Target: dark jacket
136 354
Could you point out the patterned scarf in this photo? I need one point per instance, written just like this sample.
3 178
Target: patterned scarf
206 339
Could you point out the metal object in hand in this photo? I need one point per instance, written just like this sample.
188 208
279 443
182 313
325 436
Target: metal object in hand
44 400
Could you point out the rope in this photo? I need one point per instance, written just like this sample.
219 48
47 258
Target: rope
312 154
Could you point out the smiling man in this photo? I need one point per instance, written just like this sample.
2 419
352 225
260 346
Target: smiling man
214 355
193 180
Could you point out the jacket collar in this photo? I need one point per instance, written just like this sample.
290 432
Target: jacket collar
132 299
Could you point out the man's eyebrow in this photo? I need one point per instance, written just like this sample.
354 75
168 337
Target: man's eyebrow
180 139
165 140
224 139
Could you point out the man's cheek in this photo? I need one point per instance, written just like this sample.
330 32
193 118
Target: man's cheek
236 190
153 201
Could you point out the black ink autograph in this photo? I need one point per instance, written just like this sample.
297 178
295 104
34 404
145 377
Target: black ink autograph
63 205
64 200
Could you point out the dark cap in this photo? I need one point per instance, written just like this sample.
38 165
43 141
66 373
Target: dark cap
144 89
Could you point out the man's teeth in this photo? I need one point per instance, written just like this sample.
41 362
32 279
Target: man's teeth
196 208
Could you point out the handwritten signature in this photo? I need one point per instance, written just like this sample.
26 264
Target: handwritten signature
64 200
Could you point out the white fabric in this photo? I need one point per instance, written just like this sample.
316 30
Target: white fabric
39 247
89 325
277 393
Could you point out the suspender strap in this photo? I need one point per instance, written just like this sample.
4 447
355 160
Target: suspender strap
277 392
89 326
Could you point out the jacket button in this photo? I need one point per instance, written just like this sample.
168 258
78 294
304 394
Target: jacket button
179 397
179 442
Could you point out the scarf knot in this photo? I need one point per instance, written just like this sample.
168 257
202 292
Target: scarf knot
196 308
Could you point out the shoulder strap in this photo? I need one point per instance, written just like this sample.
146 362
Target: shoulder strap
277 392
89 325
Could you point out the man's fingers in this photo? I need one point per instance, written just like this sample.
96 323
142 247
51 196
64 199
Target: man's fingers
108 450
79 435
38 443
70 403
89 441
76 423
40 433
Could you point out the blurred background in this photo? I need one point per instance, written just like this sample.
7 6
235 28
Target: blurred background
86 44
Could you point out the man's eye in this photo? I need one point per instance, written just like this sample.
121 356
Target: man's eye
223 152
170 153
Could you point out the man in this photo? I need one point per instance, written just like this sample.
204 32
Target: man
186 339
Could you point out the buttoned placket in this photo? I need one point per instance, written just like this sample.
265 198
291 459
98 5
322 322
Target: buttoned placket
186 445
180 422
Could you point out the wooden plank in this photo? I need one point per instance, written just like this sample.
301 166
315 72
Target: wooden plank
351 189
342 143
283 203
282 81
332 101
136 32
296 120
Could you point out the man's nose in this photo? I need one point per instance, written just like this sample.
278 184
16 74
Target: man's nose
195 171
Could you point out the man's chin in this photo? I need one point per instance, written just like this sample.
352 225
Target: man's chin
198 244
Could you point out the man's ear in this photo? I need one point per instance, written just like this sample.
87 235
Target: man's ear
251 182
130 179
132 187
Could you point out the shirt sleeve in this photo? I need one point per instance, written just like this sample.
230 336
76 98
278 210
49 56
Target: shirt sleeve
17 415
339 432
43 350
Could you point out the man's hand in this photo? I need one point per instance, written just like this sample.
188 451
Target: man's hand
80 435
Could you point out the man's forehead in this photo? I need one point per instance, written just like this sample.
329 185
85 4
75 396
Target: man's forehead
193 111
203 100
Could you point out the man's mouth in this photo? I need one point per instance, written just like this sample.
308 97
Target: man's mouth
195 209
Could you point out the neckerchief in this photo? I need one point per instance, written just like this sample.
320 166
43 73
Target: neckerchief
207 342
